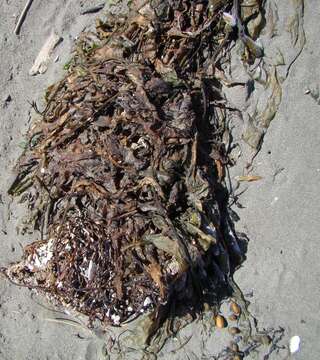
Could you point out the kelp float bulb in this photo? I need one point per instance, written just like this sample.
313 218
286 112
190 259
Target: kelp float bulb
220 322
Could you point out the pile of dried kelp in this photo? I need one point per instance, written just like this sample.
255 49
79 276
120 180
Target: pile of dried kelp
124 171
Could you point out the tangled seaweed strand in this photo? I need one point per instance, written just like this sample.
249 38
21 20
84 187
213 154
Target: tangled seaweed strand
124 171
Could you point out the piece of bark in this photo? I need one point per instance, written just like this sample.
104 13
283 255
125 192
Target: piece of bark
40 64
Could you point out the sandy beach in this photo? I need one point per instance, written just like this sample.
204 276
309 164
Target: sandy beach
279 213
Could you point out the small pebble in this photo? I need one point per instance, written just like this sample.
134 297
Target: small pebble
233 317
234 347
234 331
237 357
262 339
8 98
235 308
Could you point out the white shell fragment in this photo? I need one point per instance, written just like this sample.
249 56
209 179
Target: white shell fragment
147 301
294 344
115 319
41 257
90 273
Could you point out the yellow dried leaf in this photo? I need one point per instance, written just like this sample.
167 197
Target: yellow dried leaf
248 178
154 270
220 169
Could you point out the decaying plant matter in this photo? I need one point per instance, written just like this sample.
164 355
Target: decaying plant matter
124 171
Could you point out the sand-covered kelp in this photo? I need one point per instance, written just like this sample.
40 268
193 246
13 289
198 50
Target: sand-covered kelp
124 171
279 23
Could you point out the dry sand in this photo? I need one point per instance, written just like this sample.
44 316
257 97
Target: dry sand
280 214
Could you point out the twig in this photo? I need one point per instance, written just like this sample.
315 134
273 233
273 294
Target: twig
22 17
93 9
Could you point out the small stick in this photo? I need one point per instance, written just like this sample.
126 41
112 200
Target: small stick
22 17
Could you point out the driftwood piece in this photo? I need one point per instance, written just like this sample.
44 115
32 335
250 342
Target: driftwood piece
40 64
